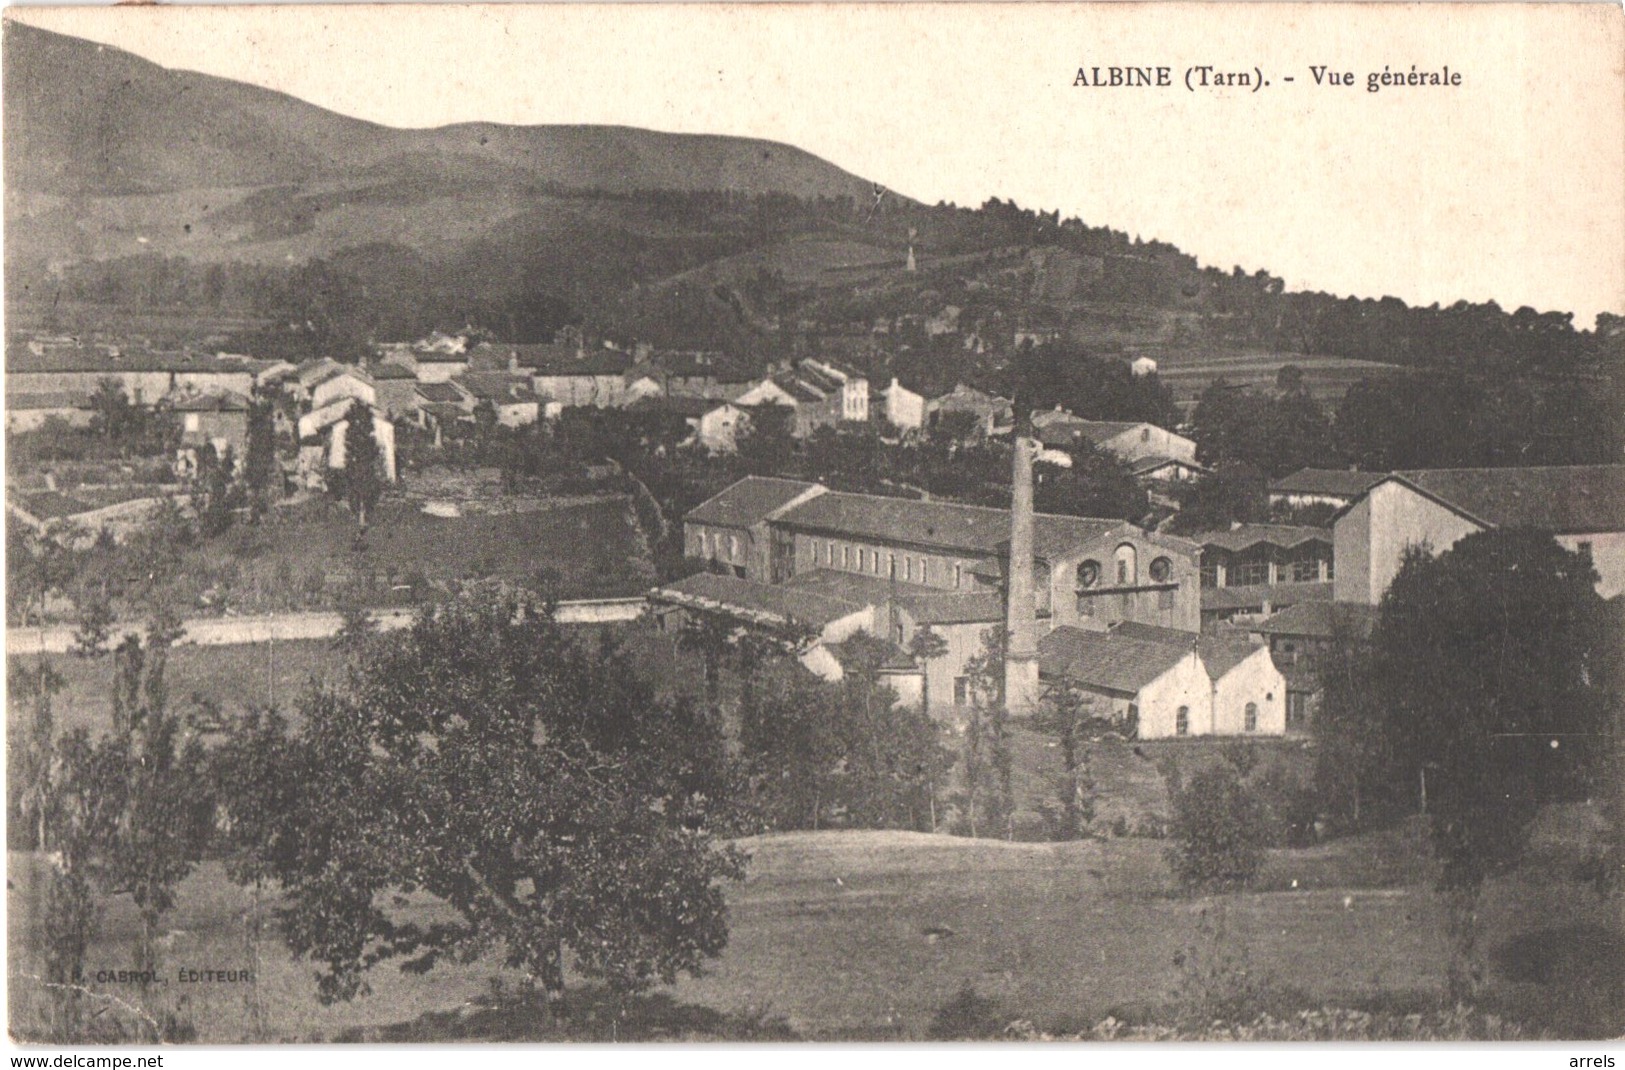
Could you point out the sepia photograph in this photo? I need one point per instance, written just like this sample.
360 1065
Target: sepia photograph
815 522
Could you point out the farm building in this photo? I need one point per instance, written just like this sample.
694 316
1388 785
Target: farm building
1322 486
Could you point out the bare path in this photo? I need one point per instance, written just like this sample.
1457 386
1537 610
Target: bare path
226 631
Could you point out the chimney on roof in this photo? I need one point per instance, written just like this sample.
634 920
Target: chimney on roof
1021 614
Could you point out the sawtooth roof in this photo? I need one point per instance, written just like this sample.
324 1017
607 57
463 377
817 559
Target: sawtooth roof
1286 536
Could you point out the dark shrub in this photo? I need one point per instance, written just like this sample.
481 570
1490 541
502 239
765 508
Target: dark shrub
1220 829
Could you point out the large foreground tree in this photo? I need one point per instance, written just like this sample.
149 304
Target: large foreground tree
1495 667
537 792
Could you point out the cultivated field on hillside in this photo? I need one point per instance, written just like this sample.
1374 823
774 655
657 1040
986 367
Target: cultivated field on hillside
1188 373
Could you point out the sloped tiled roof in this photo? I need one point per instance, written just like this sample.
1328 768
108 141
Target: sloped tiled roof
1286 536
440 393
496 387
1333 482
390 369
1219 654
748 501
220 401
1147 465
1568 500
1103 660
50 399
751 598
946 525
1321 620
927 605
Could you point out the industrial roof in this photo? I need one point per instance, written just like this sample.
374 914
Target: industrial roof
1569 500
752 599
1320 620
1332 482
1286 536
748 501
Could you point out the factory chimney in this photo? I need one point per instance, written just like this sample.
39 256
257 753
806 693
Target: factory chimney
1021 614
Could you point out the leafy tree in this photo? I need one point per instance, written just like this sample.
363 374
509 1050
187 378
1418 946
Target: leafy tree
1220 830
526 786
261 471
113 415
765 448
1065 714
216 494
96 621
361 481
988 763
1489 662
255 778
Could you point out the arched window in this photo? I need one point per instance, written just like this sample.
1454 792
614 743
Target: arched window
1162 570
1088 575
1126 570
1249 718
1182 721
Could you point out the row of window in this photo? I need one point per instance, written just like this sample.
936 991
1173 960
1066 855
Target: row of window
713 546
1250 573
1182 719
906 567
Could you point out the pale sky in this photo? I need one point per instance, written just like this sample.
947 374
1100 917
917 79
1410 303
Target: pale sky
1509 187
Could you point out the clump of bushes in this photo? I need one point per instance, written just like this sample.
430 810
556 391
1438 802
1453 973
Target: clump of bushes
1220 828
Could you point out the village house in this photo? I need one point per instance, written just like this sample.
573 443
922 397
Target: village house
1153 690
1249 691
340 383
993 415
1140 367
145 376
1132 442
322 434
396 388
576 377
902 408
217 420
1160 683
1582 507
30 412
509 396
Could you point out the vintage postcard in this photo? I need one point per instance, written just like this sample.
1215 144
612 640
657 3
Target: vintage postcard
814 522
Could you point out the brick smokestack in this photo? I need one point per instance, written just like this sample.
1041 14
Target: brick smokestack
1021 614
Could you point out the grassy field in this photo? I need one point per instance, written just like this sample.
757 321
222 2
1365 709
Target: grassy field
308 558
865 935
225 678
860 935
